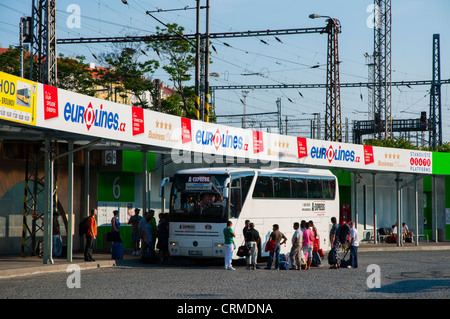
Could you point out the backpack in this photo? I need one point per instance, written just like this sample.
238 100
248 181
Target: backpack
344 231
83 228
332 256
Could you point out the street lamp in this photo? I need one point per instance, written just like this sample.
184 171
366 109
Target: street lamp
315 16
336 22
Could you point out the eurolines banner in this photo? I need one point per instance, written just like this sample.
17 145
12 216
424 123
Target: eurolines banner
363 157
76 113
67 111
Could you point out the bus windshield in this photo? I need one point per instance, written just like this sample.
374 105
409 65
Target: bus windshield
198 198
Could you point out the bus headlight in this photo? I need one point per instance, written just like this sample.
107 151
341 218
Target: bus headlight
173 247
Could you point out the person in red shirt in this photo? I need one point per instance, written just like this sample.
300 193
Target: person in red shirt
308 240
91 235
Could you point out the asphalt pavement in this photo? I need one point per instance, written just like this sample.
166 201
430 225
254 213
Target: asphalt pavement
16 266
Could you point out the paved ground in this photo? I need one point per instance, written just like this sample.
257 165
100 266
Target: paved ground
405 272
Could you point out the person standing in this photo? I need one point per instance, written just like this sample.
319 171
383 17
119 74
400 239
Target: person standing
148 238
252 239
317 261
141 229
163 236
244 233
353 246
151 214
135 235
229 240
297 239
307 246
91 235
115 227
276 236
334 242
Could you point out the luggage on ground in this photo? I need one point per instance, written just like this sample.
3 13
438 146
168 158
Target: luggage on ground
344 263
332 257
117 250
148 255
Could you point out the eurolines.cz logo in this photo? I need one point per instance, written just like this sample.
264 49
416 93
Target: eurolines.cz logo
218 140
93 117
334 155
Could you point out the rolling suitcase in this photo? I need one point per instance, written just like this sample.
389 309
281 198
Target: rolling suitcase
344 263
117 250
148 256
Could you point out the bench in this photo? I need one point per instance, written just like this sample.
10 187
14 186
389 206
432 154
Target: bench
421 235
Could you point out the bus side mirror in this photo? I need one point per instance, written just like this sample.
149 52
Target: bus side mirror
161 187
226 186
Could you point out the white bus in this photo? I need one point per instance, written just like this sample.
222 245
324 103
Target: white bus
203 200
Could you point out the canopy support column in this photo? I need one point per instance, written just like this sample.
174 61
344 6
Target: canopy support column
375 230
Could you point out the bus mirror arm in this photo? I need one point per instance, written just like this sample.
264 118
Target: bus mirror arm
161 187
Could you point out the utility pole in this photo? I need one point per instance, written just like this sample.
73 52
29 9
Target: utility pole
333 121
244 117
435 133
383 69
43 41
197 63
206 100
279 124
202 66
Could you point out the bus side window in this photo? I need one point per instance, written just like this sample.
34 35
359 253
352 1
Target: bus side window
328 186
314 188
281 186
299 188
263 187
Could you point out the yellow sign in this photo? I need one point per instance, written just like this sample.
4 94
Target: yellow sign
17 99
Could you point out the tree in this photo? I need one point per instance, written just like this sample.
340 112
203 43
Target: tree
10 61
130 75
179 55
74 75
394 143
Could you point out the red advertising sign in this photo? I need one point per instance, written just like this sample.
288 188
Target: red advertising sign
186 135
368 154
258 143
50 102
302 147
138 120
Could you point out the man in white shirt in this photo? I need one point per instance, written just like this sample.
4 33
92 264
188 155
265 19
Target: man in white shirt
297 239
353 244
